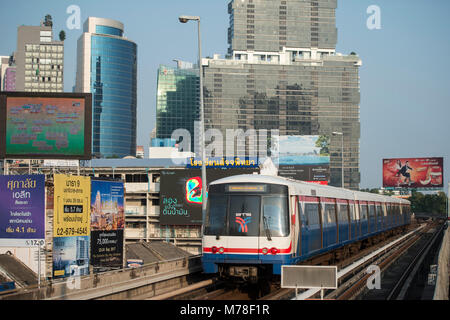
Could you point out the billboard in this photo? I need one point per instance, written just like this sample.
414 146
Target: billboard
304 158
71 225
45 125
107 224
181 193
22 210
413 173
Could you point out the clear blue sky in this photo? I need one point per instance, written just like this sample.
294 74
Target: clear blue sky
405 77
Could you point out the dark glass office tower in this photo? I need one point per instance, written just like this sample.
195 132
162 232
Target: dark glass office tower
177 102
107 67
271 25
282 72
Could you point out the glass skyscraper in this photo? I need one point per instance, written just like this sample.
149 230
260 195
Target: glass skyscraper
282 72
107 67
177 100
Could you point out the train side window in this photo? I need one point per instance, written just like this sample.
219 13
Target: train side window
312 213
343 212
330 213
363 212
379 212
371 211
352 212
302 215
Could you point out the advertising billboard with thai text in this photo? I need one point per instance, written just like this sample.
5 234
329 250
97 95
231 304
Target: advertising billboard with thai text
413 173
181 193
22 210
71 225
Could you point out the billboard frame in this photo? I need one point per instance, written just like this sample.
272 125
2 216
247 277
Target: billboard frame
414 186
87 154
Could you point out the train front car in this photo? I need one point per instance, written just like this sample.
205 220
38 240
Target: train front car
247 229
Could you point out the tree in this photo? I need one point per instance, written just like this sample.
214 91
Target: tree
323 143
48 21
429 203
62 35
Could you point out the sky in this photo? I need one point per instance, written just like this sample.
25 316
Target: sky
404 78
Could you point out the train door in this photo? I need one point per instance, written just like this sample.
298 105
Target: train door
364 218
389 216
329 222
353 221
295 214
372 217
401 214
311 227
343 220
379 216
395 216
384 210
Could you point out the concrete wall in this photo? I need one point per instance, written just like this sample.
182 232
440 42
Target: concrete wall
442 281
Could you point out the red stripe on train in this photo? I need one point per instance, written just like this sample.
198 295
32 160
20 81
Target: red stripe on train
246 250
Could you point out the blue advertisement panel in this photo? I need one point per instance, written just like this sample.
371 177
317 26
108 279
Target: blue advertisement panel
70 256
22 210
107 224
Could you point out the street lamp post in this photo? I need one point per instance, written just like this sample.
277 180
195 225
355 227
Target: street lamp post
185 19
342 155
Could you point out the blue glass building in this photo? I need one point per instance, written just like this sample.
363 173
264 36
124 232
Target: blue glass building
107 67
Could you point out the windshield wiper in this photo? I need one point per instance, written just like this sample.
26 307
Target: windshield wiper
266 227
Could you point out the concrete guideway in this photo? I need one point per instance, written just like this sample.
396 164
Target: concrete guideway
111 285
311 292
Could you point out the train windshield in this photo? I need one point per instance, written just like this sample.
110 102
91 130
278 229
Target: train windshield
238 213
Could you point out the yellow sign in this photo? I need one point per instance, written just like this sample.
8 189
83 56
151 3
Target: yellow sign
72 206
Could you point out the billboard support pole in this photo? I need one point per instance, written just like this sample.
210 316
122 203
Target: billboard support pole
39 265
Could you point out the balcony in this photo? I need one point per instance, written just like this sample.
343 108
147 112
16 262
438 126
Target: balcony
154 211
141 187
134 233
135 210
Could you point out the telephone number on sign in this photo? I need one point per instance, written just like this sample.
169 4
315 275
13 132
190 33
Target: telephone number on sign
71 231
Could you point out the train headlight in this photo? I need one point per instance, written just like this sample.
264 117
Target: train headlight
221 250
273 250
214 249
265 251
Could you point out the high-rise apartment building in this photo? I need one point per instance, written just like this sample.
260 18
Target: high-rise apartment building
177 100
39 60
107 67
4 64
7 73
282 72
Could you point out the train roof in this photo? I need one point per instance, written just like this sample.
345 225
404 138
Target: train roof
312 189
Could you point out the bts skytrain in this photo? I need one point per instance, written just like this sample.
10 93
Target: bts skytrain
255 224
